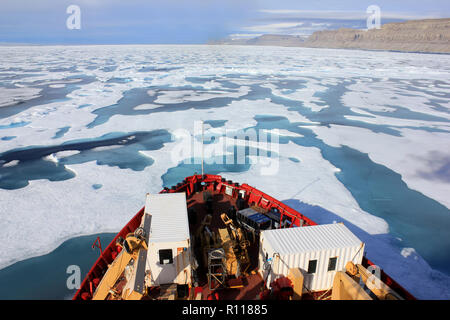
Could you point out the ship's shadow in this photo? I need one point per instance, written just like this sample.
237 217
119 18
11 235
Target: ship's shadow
324 216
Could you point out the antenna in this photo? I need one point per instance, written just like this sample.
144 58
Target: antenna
202 148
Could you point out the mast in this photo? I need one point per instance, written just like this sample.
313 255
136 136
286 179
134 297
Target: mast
202 149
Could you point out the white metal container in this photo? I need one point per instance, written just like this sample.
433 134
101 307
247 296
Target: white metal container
169 251
282 249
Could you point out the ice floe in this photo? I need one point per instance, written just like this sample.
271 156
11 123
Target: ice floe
16 95
405 93
416 155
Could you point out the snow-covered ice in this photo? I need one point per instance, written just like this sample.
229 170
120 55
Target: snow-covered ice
16 95
416 155
394 107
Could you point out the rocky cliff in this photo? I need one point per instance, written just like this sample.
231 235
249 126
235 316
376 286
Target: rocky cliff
412 36
266 40
431 35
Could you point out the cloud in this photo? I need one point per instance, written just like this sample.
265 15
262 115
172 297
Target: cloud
306 22
236 36
282 27
300 28
346 15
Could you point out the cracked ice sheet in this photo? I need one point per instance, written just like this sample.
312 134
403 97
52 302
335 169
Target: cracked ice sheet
47 119
120 184
105 210
398 122
76 208
43 129
414 154
312 181
364 97
185 119
305 95
261 61
181 96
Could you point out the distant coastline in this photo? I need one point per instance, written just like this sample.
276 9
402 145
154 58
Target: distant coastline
415 36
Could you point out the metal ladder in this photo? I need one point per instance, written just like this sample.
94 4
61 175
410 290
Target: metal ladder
216 267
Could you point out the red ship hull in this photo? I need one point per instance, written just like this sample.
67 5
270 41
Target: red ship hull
218 184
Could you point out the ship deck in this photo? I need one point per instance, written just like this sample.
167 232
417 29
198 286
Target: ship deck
222 196
249 284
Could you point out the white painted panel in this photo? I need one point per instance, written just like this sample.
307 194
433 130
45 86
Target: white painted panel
169 217
177 272
295 247
169 230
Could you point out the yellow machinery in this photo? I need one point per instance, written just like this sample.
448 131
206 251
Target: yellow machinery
130 263
296 277
132 246
345 288
234 242
231 261
346 285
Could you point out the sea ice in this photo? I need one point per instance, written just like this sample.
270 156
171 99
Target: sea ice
16 95
406 93
412 155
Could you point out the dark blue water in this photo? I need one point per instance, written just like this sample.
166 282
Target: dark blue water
137 96
15 125
7 138
47 95
125 154
61 132
45 277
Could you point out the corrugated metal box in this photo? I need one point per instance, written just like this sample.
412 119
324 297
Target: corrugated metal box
169 251
319 251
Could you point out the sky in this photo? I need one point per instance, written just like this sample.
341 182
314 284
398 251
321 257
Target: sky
192 21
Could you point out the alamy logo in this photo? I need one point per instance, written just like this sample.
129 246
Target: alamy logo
74 20
221 146
74 280
374 19
375 275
